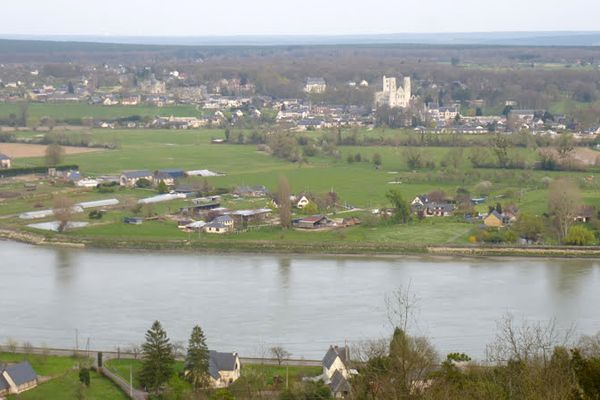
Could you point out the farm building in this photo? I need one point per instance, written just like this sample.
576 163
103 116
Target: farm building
168 176
313 222
244 217
199 209
222 224
130 178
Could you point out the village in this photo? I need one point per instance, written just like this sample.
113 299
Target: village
237 102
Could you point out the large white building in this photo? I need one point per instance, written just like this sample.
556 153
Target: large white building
315 85
392 95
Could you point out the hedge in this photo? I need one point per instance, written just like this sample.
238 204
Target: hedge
35 170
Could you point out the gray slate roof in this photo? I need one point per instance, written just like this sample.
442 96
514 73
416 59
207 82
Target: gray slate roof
20 373
222 219
137 174
4 157
338 383
333 353
220 362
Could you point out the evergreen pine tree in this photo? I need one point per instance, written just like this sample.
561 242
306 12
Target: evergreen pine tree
197 358
157 358
162 187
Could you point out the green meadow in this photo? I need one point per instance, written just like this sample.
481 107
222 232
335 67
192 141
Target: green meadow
62 111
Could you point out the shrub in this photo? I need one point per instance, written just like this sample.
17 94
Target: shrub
84 376
579 235
143 183
95 214
105 189
35 170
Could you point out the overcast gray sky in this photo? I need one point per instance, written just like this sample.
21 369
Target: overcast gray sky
281 17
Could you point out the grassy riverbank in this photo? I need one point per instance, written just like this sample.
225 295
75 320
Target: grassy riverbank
307 247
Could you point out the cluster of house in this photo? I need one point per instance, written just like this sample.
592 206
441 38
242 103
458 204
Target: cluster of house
304 115
424 207
449 119
17 378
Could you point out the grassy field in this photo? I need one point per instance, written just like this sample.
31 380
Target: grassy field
61 111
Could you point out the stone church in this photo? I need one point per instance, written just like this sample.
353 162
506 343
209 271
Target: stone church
392 95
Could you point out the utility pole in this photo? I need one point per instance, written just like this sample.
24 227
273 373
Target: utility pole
131 381
287 376
76 341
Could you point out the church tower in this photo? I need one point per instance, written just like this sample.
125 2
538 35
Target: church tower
407 89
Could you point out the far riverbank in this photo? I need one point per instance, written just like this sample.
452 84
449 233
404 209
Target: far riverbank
289 247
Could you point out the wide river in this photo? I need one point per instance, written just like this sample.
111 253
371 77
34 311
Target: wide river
248 303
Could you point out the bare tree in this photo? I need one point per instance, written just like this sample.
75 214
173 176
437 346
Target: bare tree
529 341
63 211
564 200
401 306
589 345
565 146
285 205
11 345
280 354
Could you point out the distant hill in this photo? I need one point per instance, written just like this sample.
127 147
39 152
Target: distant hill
482 38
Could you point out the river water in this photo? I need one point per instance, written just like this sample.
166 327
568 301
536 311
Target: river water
248 303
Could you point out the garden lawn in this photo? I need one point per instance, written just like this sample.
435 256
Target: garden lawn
269 372
42 365
66 387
